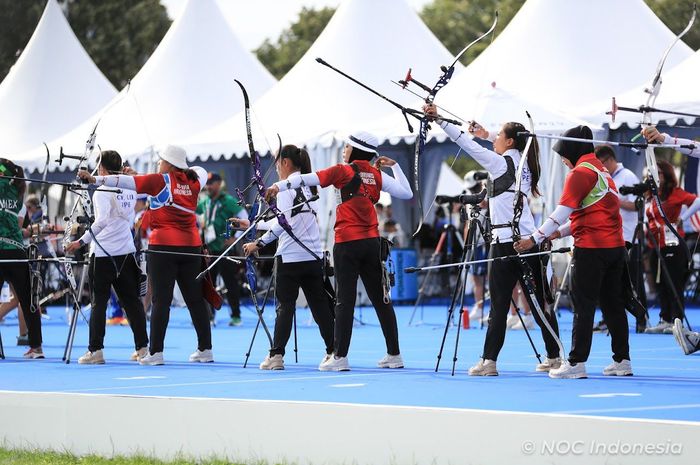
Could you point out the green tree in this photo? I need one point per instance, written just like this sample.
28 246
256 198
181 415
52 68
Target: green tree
675 14
17 22
119 35
458 22
280 56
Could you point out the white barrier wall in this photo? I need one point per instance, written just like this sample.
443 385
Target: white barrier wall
324 433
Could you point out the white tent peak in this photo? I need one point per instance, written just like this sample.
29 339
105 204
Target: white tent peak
53 86
375 41
558 52
185 86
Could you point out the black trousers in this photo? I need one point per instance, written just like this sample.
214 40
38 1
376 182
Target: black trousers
676 263
361 259
163 271
17 274
289 278
503 276
103 275
230 273
597 277
636 271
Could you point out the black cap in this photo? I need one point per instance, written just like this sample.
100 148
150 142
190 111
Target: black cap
572 150
213 177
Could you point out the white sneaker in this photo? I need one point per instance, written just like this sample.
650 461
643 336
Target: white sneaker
477 313
152 359
660 328
276 362
139 354
325 359
484 368
335 364
527 318
391 361
512 320
548 364
34 354
202 356
688 340
569 371
623 368
92 358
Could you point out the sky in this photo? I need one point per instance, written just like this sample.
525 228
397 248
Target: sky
253 21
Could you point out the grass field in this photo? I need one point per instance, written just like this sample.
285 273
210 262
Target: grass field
21 457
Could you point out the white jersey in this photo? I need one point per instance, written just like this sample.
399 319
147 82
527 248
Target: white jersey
304 225
114 221
501 206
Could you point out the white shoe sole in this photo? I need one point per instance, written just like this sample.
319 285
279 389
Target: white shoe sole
272 368
151 364
568 376
322 368
390 365
618 373
483 374
199 360
101 362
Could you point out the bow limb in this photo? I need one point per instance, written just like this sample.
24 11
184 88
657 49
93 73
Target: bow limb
528 279
653 91
421 140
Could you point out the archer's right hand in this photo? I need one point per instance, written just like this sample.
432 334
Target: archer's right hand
271 193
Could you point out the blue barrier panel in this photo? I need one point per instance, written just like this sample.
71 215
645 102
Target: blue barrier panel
406 287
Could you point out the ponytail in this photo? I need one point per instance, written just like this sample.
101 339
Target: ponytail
516 132
190 173
300 159
15 171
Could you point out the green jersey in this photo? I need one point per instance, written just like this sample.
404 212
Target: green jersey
215 213
10 206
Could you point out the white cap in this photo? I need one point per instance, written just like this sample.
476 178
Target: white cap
363 140
176 156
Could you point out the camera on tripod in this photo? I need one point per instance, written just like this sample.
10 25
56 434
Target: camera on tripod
464 199
636 189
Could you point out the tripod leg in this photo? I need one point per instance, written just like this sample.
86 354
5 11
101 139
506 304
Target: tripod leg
2 349
461 285
467 254
71 330
250 347
259 311
296 355
527 333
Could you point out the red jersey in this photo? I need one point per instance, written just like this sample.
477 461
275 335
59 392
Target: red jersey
355 218
672 207
598 226
170 225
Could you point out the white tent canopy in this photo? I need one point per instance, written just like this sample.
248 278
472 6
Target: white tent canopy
372 40
559 53
186 85
53 87
679 92
448 182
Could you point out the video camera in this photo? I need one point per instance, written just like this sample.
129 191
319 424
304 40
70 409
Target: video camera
636 189
464 199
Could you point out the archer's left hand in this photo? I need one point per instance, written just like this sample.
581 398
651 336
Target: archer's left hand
523 245
86 176
384 161
651 134
271 193
250 248
72 246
